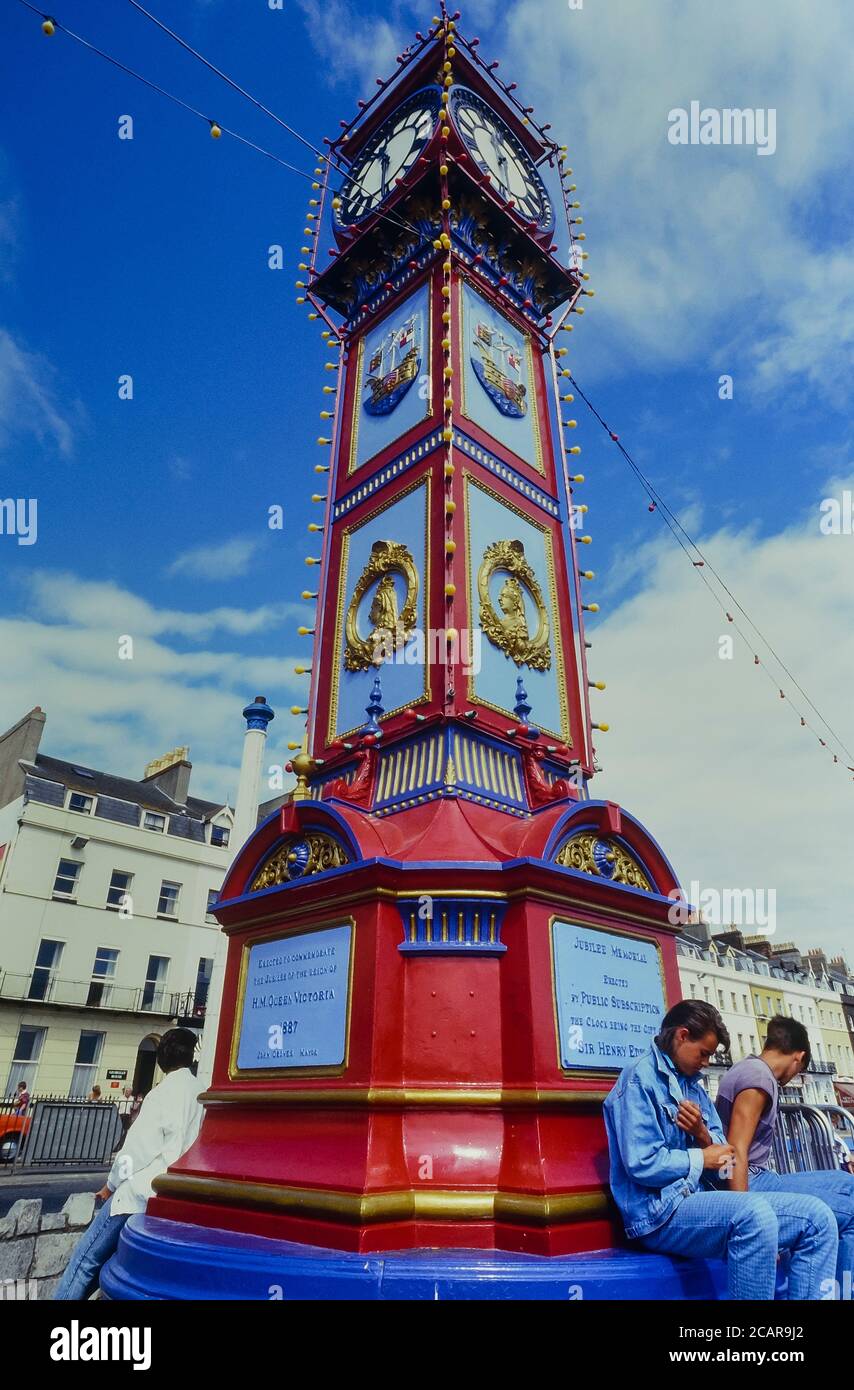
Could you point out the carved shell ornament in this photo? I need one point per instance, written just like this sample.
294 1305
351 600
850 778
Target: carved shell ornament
605 858
391 625
312 853
509 630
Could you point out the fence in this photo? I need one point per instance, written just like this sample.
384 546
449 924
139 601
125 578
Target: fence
57 1132
803 1140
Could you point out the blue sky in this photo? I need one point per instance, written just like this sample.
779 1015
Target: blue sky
149 257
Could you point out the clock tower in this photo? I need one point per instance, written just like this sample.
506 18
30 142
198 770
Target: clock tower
443 948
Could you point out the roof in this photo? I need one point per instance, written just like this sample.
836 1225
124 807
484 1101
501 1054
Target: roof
76 777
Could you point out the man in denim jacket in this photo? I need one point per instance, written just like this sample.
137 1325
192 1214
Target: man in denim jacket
668 1155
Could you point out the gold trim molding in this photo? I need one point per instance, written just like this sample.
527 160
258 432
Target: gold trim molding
425 1204
391 1096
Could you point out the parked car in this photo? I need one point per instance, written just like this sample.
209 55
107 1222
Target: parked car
13 1130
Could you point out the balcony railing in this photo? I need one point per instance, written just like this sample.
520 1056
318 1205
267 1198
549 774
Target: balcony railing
825 1068
101 994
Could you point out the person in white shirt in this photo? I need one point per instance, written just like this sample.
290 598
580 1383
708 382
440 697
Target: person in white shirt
165 1128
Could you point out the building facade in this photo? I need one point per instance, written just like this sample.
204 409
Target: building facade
106 939
749 982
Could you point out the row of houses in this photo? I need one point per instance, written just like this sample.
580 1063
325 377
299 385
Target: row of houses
749 980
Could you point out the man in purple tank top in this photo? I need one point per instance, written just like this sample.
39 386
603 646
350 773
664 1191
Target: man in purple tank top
747 1104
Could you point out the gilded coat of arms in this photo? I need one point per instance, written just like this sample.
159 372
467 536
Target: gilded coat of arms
510 631
392 624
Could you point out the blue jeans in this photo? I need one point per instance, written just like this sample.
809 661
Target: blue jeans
747 1230
97 1243
834 1188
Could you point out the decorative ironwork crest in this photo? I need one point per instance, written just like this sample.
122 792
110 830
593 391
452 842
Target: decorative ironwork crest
605 858
301 857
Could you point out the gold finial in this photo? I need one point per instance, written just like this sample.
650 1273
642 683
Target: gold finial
303 765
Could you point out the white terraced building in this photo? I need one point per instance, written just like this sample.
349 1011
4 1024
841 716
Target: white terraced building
106 939
748 987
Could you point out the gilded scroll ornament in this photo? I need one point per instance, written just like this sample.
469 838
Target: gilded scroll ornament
300 857
604 858
391 626
510 632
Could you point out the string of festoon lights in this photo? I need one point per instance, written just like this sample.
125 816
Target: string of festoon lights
447 27
726 600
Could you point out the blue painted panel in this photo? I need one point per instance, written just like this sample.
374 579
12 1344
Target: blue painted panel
403 677
488 520
298 985
609 994
393 381
498 391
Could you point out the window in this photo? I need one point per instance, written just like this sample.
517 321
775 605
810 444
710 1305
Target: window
25 1059
78 802
219 835
119 889
101 987
203 980
734 1005
706 993
213 894
67 875
746 1008
167 903
741 1044
151 821
44 971
86 1063
153 993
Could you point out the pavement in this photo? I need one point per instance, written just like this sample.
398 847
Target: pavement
53 1188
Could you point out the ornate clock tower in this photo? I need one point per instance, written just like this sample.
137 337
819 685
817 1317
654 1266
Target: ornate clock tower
443 948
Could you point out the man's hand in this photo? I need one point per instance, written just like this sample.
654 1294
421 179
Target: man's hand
104 1193
690 1118
719 1156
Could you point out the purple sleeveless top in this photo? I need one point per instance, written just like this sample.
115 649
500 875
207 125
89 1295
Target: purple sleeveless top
752 1074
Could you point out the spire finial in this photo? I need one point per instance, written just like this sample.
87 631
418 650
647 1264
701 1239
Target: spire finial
374 708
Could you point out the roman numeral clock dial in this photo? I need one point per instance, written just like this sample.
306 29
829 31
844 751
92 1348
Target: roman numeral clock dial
389 155
498 154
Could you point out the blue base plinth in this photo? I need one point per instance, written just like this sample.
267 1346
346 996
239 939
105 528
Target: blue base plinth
159 1259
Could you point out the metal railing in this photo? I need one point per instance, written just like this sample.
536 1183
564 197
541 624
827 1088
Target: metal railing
803 1140
56 1132
35 988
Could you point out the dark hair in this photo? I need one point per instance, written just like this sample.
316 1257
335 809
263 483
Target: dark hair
176 1049
787 1035
698 1017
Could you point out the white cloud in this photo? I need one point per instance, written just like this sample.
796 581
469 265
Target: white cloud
705 752
27 400
225 560
62 652
350 44
107 606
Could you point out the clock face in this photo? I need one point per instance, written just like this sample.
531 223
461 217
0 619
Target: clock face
498 154
388 155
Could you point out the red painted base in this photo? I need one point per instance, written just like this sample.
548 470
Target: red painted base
452 1123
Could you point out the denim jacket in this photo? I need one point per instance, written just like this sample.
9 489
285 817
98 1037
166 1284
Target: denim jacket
654 1164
